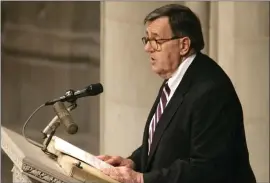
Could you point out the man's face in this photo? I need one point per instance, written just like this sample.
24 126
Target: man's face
166 59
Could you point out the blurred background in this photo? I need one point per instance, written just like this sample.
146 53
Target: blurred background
50 47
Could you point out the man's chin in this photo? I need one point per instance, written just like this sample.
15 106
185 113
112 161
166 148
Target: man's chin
157 71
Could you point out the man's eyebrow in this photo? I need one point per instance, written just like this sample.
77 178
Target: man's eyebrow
152 33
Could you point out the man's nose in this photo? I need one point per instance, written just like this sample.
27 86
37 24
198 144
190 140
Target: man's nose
148 48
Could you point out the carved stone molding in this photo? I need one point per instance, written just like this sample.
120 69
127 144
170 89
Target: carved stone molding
39 174
19 177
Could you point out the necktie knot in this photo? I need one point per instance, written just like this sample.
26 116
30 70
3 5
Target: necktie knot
165 92
167 88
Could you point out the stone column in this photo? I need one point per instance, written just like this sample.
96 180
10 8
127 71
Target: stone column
243 52
213 31
130 87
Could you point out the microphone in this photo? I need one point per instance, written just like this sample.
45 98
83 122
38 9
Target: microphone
71 95
54 123
65 117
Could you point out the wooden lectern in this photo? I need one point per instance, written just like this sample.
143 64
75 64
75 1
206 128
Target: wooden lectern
32 165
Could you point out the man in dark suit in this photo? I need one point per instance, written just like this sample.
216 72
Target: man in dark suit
195 131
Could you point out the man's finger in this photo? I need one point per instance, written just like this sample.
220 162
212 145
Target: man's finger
103 157
114 161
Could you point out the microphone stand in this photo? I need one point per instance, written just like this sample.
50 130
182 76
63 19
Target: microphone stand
48 135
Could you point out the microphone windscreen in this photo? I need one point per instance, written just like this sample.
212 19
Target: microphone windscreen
65 117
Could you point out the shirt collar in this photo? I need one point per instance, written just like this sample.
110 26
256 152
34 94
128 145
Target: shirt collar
176 77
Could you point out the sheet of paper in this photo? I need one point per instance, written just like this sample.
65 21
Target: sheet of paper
69 149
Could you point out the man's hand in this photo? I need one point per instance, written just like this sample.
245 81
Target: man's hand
124 175
117 161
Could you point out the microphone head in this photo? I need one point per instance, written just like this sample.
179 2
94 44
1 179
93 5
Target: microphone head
72 128
94 89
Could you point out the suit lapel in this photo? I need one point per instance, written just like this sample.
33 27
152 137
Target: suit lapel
165 118
170 109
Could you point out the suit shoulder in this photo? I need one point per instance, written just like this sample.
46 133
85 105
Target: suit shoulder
208 78
208 74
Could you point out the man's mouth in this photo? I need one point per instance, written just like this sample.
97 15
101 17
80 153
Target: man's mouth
152 61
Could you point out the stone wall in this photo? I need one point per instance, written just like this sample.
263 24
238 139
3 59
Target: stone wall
48 48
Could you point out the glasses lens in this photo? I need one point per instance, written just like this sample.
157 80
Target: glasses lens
144 40
153 43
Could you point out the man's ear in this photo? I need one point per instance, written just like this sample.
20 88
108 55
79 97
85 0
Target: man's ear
184 45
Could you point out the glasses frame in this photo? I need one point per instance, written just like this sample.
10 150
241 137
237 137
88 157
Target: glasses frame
159 42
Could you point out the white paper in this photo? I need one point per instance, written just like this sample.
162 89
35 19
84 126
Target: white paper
69 149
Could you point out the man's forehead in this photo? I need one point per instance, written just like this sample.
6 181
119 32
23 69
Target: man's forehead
160 26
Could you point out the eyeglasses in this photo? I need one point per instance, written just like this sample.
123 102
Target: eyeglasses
156 43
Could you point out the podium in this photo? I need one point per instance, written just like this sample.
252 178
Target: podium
31 164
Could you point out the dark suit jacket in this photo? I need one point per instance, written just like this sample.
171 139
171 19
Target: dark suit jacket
200 137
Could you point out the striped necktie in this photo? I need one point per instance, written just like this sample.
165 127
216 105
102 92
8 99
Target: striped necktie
160 108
